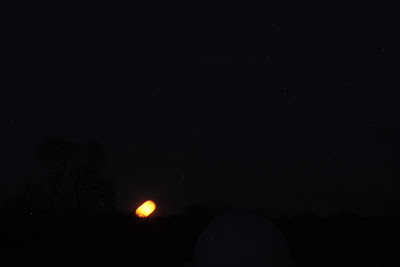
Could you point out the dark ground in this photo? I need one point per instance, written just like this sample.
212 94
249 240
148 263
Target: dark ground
43 240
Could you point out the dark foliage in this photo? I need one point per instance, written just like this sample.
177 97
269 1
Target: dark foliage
76 178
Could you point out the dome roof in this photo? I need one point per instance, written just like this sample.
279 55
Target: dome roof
240 239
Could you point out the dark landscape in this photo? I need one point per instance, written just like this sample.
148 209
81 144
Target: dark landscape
125 240
259 133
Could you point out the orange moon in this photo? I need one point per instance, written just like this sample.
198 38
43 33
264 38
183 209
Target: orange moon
146 209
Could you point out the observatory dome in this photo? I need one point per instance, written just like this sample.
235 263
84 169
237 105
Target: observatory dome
241 238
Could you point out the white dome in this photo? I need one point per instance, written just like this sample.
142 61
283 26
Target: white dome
241 239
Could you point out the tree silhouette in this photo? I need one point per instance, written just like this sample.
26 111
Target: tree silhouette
76 173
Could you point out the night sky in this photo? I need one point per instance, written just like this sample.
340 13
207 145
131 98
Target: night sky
287 106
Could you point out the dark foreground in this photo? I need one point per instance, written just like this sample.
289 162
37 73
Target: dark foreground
128 241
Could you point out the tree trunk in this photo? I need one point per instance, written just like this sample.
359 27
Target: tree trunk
78 202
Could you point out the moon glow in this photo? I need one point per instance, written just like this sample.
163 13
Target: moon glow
146 209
